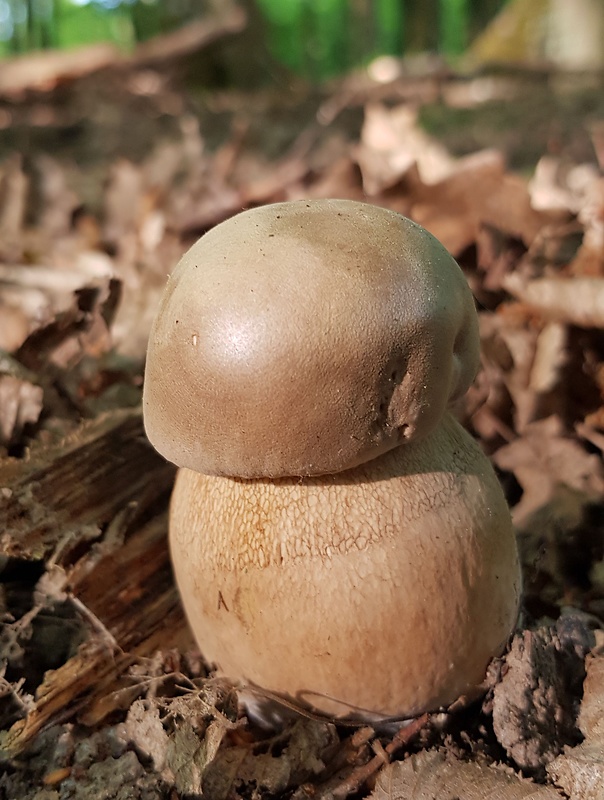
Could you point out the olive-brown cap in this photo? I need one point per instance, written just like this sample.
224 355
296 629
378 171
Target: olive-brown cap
306 338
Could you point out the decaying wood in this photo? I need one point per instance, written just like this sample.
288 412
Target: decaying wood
80 489
93 507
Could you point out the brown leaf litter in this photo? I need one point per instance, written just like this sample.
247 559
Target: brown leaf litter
102 692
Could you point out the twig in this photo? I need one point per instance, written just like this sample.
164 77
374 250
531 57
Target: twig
361 774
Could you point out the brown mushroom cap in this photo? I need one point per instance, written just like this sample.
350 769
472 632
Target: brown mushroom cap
306 338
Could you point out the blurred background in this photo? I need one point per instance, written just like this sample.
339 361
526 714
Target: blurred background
318 39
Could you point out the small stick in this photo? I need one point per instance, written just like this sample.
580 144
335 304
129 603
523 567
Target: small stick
362 773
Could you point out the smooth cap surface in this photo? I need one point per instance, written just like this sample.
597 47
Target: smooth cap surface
306 338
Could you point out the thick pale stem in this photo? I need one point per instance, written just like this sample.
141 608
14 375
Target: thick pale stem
380 590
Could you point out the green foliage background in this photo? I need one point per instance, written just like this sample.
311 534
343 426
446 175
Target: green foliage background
315 38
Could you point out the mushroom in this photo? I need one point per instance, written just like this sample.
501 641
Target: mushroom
338 539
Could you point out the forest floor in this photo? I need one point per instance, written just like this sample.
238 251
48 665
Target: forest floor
105 180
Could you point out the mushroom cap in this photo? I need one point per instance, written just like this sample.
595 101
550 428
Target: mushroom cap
306 338
380 591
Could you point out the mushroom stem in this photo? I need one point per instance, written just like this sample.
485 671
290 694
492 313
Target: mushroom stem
384 589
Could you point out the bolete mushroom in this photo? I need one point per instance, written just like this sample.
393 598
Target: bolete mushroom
337 537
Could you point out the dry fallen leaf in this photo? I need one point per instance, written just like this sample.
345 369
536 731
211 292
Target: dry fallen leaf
591 716
451 209
14 186
191 749
14 327
560 185
432 775
392 142
20 404
580 771
143 728
561 547
545 458
577 301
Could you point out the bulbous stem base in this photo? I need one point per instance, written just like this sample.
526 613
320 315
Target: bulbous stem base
383 590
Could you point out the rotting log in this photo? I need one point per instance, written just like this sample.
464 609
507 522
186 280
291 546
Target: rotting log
92 512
